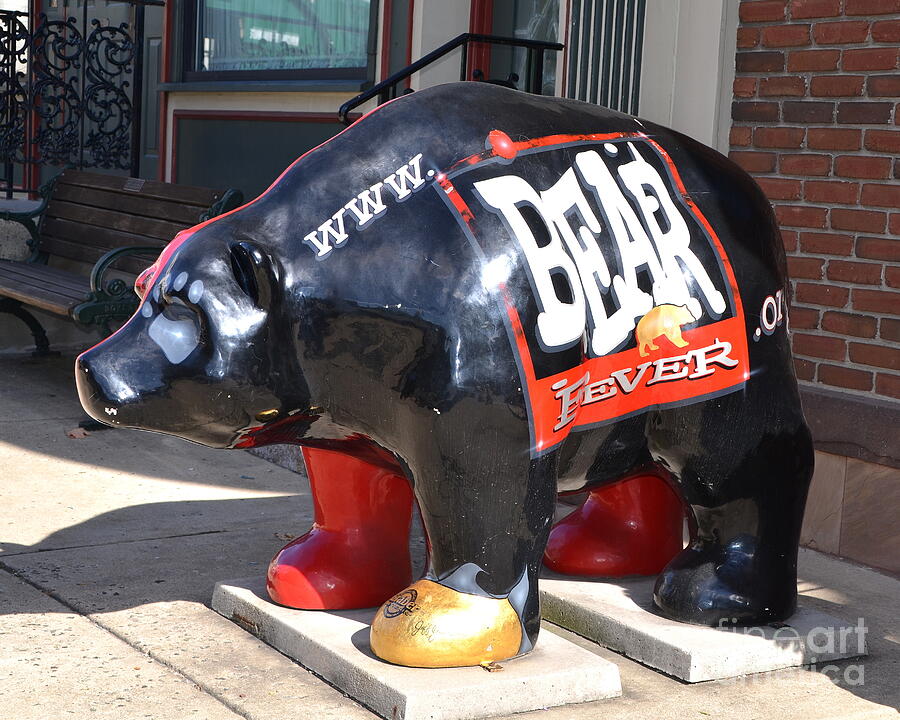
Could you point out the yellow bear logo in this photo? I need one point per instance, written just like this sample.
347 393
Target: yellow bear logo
662 320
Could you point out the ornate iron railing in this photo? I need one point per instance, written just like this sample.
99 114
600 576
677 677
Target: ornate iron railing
15 43
70 90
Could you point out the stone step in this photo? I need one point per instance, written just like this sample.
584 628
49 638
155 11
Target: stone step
335 646
619 615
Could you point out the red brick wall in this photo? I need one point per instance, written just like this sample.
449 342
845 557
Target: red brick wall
817 121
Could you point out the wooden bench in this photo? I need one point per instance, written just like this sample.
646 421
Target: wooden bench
110 222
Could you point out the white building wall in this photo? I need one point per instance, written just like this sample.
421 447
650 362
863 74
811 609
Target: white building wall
434 23
688 67
17 5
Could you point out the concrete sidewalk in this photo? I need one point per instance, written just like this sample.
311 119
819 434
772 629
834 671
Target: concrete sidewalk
110 546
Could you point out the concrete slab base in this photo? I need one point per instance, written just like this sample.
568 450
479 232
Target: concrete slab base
335 646
620 616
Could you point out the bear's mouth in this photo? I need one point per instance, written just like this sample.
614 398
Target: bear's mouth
267 416
313 412
277 426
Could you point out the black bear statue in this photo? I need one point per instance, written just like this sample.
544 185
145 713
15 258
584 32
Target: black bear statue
491 298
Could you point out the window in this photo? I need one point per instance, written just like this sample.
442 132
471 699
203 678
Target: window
530 19
279 39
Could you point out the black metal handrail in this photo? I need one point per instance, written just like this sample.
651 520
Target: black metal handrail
387 89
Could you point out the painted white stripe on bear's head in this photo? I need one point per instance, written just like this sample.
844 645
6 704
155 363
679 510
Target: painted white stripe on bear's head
176 338
195 291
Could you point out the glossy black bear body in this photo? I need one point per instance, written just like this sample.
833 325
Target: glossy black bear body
502 296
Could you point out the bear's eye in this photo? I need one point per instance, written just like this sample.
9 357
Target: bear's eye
143 281
243 267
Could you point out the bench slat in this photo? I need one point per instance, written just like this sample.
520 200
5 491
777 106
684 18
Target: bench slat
148 227
67 240
134 204
98 238
204 197
39 269
47 299
21 273
133 265
38 298
90 214
55 278
130 265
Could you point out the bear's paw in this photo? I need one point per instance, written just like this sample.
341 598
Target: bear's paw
430 625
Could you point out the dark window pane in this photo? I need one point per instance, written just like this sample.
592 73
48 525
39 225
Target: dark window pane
531 20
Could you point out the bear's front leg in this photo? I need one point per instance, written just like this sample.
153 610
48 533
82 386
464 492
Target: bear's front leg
357 553
675 337
487 517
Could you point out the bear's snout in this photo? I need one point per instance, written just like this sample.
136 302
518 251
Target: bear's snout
114 387
93 397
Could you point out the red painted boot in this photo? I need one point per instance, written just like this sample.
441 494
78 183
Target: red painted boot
632 527
357 553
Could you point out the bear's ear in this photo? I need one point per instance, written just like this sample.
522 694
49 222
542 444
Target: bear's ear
255 273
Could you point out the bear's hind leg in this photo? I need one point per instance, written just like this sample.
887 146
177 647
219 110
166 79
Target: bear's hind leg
357 553
630 527
746 485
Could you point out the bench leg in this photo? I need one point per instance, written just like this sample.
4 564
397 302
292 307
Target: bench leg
41 344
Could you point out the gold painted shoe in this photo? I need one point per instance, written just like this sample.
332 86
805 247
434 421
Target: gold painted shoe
430 625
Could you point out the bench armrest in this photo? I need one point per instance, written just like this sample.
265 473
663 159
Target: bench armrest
30 219
114 300
45 191
230 200
105 262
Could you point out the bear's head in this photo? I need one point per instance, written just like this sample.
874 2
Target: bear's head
682 315
196 360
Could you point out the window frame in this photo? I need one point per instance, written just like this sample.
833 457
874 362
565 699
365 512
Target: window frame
189 55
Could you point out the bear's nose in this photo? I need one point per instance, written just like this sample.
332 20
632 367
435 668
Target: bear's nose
90 393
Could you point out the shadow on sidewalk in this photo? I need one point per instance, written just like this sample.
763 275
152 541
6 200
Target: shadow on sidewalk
39 406
156 552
